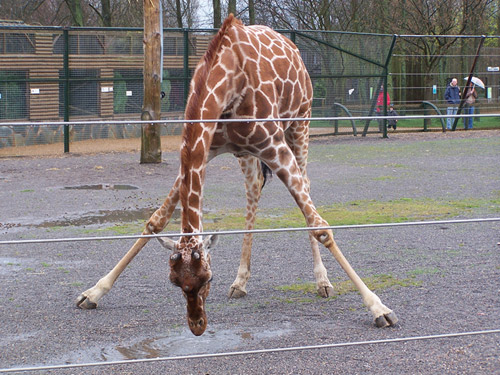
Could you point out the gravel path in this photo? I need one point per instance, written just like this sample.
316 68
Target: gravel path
451 273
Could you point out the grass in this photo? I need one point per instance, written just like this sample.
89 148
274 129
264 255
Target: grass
124 228
354 212
482 123
376 282
357 212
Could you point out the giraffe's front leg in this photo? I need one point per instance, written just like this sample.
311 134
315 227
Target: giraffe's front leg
238 288
90 298
382 315
254 180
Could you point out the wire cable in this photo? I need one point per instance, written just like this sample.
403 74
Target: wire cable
233 232
179 121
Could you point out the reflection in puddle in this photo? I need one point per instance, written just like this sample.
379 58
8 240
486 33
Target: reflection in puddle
104 216
102 187
185 343
100 217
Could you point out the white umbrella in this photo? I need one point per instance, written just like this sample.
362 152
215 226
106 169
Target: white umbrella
476 81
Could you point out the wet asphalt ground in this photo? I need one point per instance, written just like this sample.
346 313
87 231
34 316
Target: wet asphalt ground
451 272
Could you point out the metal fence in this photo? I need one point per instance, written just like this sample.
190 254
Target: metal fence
83 74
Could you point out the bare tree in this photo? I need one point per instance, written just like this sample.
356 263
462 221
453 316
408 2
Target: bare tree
231 7
105 13
217 14
178 13
75 7
251 12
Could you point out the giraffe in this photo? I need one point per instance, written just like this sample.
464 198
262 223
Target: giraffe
247 73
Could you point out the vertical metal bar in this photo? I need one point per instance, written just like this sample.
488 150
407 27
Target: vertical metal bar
386 73
466 88
187 77
372 106
66 88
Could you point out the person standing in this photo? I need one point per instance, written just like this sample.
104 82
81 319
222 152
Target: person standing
380 106
470 99
452 97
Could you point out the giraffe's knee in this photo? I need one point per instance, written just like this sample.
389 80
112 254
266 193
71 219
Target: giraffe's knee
156 223
324 236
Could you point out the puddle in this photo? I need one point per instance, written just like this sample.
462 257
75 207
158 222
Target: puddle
185 343
101 187
104 217
82 219
180 342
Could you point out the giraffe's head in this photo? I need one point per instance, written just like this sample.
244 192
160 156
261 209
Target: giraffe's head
190 271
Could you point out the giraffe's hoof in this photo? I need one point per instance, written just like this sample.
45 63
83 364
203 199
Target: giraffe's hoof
326 291
84 303
236 293
386 320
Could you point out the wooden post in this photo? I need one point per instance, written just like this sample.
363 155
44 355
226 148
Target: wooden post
151 109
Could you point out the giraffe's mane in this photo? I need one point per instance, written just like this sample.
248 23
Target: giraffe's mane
205 66
192 111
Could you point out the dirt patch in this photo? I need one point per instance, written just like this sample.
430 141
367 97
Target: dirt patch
91 146
173 142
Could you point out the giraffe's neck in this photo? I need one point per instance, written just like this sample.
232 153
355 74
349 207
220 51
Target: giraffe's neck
205 102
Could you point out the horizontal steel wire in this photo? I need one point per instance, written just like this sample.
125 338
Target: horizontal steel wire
448 36
233 232
402 55
256 351
177 121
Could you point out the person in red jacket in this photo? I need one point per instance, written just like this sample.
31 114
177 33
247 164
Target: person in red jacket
380 106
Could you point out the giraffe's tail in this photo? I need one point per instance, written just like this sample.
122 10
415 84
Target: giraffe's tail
267 173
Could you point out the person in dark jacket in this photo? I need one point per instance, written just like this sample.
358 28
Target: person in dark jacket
452 97
393 121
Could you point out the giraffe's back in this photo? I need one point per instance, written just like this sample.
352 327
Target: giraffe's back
276 80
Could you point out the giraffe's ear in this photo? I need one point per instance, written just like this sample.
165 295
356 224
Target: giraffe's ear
167 243
210 242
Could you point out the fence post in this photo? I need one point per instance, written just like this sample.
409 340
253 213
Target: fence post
151 108
66 87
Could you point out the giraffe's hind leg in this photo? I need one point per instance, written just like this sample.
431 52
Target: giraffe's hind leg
297 138
323 284
254 179
288 172
158 221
